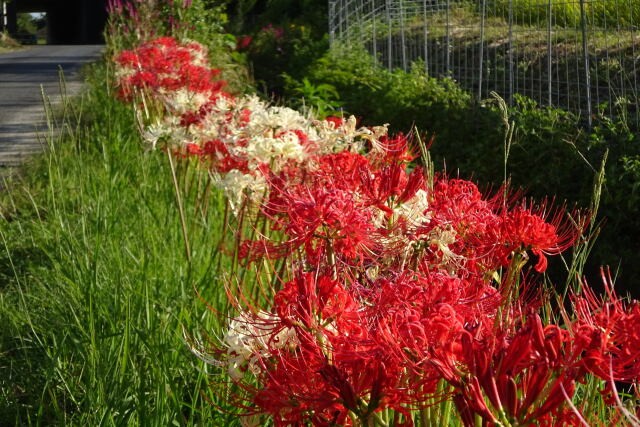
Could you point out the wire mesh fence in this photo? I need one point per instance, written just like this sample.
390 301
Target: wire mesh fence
579 55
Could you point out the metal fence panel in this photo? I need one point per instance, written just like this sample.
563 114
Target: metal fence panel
579 55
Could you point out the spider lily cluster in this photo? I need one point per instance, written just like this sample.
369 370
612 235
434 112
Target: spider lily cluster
385 293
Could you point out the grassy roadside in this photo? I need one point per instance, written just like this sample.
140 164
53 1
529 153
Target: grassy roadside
94 284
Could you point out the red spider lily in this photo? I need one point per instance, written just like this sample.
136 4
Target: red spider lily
420 320
325 221
523 375
304 387
306 299
528 229
195 118
217 155
298 401
393 150
332 206
342 170
329 219
389 186
562 416
163 65
609 331
487 235
397 297
460 230
336 366
336 121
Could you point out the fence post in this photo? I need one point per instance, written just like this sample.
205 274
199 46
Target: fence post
374 39
358 23
510 45
363 24
448 43
481 67
339 20
402 38
347 27
549 53
3 15
11 17
636 89
332 12
425 36
389 39
585 53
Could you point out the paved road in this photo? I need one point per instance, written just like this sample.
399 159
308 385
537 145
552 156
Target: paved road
21 110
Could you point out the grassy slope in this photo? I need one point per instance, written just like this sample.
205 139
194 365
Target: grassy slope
94 285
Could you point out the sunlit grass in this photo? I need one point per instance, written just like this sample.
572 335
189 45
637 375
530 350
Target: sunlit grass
94 284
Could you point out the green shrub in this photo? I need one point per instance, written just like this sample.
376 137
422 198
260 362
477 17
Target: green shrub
276 51
403 100
323 99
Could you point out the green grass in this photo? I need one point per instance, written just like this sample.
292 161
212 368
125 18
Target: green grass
601 13
94 284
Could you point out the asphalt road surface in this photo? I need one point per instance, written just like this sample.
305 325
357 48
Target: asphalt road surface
21 109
